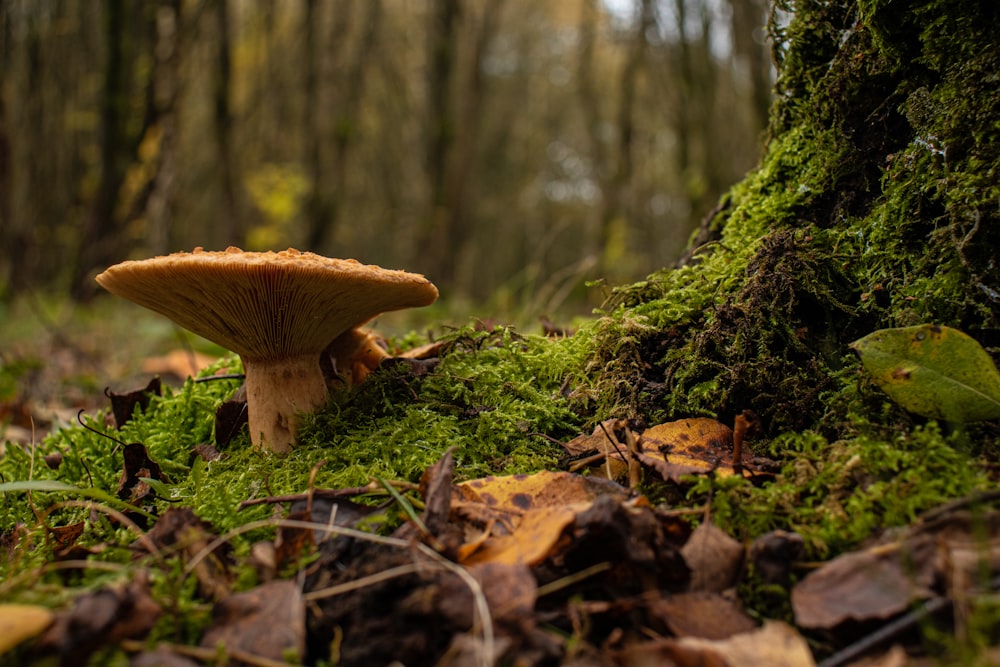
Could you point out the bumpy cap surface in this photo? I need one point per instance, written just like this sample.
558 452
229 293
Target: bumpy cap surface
266 305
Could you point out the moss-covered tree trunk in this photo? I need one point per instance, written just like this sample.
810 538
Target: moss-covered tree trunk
875 205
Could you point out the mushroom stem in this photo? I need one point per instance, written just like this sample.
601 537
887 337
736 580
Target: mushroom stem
278 392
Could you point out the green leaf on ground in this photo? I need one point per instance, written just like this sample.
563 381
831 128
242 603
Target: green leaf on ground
933 371
52 486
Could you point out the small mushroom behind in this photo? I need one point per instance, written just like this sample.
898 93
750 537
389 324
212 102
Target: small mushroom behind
353 355
277 310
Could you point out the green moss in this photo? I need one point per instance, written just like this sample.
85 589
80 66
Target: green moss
492 397
838 494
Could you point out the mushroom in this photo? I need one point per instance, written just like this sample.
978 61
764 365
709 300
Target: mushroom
354 354
276 310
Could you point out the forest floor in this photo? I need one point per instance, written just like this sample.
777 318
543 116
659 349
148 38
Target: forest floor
608 554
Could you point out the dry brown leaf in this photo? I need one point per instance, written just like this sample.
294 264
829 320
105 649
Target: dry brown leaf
775 644
598 441
267 621
690 446
875 584
705 615
894 657
178 363
100 619
124 404
715 558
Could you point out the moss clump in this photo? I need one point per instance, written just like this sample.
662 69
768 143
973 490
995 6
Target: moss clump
838 494
494 396
874 206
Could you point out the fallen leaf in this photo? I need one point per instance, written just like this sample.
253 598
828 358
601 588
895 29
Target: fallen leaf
266 622
19 622
600 440
874 584
533 539
633 540
401 618
65 537
715 558
435 487
291 543
137 465
180 364
688 447
124 405
773 554
100 619
933 371
511 592
519 493
528 513
894 657
230 418
705 615
775 644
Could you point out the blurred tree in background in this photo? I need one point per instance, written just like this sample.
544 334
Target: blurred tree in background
506 148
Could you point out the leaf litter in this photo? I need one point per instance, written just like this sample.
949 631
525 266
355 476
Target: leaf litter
525 569
557 567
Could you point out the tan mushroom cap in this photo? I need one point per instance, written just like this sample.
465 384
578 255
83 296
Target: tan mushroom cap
266 305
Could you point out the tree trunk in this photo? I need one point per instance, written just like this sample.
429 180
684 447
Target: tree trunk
7 238
614 220
166 82
751 53
100 240
230 229
442 53
461 259
326 195
874 207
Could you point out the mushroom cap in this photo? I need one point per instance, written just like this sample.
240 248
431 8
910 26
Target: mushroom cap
266 305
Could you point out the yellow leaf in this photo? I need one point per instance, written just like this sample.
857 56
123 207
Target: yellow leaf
533 539
19 622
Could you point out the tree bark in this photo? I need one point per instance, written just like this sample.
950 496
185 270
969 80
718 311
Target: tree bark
748 21
614 214
870 210
442 53
7 238
100 240
166 83
324 204
230 230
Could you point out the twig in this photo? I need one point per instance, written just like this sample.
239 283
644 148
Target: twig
209 655
569 580
859 648
367 489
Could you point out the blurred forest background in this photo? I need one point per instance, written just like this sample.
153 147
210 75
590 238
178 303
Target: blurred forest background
508 149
